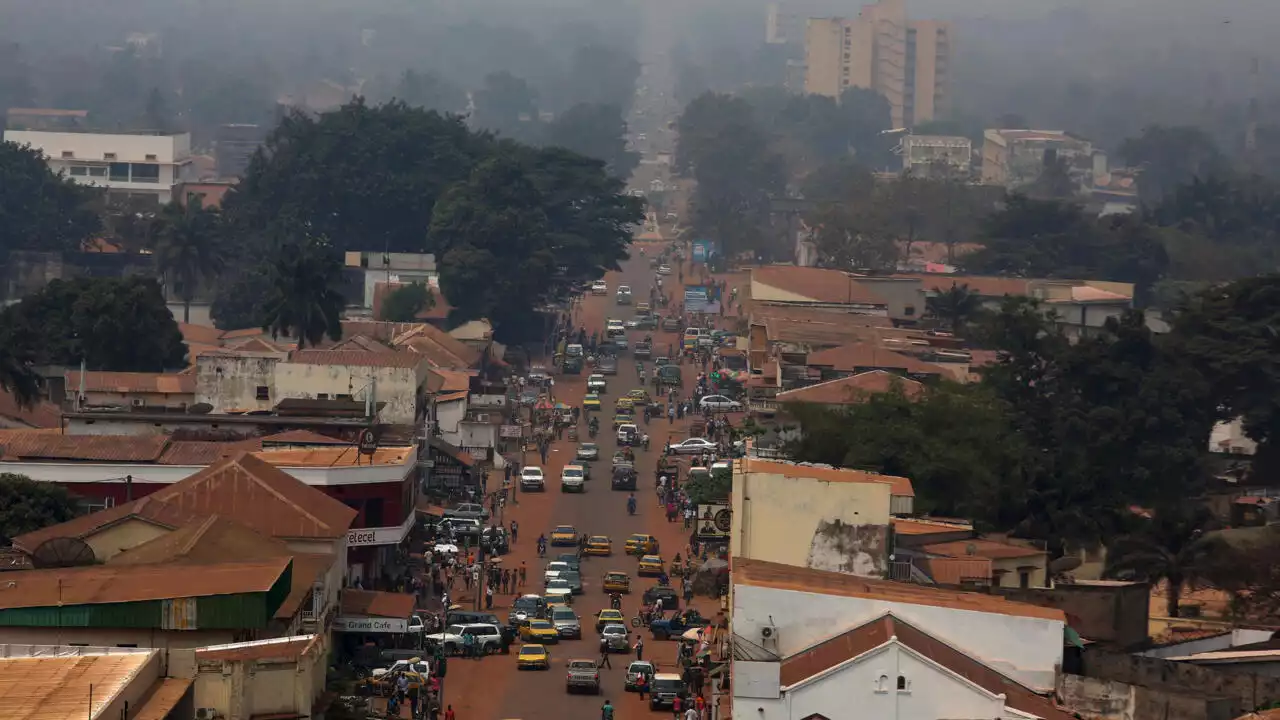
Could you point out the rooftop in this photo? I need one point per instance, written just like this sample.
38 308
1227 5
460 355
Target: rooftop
285 649
373 603
925 526
101 584
825 473
760 573
977 547
147 509
57 687
301 437
450 381
441 349
982 285
1086 293
815 285
42 414
855 356
356 358
846 646
335 456
163 698
132 382
853 389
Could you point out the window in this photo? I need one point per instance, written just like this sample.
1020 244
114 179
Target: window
1024 578
903 685
127 645
342 396
144 172
151 157
882 684
79 170
68 154
118 172
322 396
78 644
108 156
97 171
264 392
909 310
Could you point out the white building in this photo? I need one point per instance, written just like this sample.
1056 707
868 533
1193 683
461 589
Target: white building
926 155
381 268
814 644
137 166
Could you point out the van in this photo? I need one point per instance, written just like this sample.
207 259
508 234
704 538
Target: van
690 338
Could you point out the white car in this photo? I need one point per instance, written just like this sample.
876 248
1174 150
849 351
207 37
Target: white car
627 433
573 479
554 569
692 446
531 478
488 637
597 383
664 270
599 287
614 638
421 667
720 403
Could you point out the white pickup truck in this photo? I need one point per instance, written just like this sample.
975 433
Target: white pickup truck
583 675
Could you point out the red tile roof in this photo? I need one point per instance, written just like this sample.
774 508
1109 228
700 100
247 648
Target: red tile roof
853 389
759 573
356 358
860 640
372 603
899 486
977 547
818 284
132 382
862 356
361 343
260 496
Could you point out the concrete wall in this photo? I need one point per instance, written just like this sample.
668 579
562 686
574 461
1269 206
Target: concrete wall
1109 700
1009 571
904 296
135 691
125 399
449 417
1112 614
1026 649
177 647
231 382
241 690
397 387
841 526
115 539
1213 643
1249 691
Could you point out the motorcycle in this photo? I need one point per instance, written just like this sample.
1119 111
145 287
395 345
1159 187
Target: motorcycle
542 548
593 429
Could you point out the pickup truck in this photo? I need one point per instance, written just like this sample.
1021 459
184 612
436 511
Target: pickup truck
643 349
676 625
583 675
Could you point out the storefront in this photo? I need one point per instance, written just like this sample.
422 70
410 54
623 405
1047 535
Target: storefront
449 470
377 557
373 619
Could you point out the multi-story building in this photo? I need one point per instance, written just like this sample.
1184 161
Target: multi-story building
905 61
1016 158
934 155
142 167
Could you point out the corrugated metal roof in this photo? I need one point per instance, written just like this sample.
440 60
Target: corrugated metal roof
348 456
132 382
899 485
977 547
286 648
167 693
957 571
372 603
853 389
855 356
43 414
302 437
204 452
135 583
58 688
357 358
101 448
817 284
147 509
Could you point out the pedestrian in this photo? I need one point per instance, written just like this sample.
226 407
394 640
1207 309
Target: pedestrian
642 685
691 713
402 687
448 714
606 711
675 708
523 571
413 701
639 648
515 529
488 597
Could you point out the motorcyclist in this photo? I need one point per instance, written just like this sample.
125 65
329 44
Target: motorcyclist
644 441
542 545
615 601
631 504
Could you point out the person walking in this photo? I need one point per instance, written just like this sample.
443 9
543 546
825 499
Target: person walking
604 658
606 711
642 685
639 648
449 715
676 707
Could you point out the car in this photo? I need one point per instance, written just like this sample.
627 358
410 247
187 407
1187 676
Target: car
664 688
636 670
461 527
607 617
622 418
599 545
692 446
571 559
599 287
663 270
597 384
640 396
573 479
671 323
558 594
588 451
573 579
670 598
719 403
488 637
526 608
642 308
620 342
591 402
468 510
567 622
623 296
538 374
641 544
564 535
412 665
531 479
554 570
624 477
533 657
616 581
615 637
607 365
540 631
651 566
628 434
583 675
573 350
624 404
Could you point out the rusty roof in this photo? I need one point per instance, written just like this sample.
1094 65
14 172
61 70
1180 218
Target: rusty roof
362 343
164 696
58 688
101 584
863 356
853 389
957 571
373 603
926 526
819 285
440 348
762 311
357 358
977 547
132 382
148 509
204 452
451 381
824 473
334 456
864 638
760 573
255 345
985 286
261 496
285 648
42 413
200 334
32 445
302 437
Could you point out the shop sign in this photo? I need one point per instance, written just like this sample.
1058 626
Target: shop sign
715 520
370 625
512 431
380 535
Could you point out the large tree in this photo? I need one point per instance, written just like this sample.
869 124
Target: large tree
27 505
189 249
38 209
304 300
1173 547
596 131
508 106
118 324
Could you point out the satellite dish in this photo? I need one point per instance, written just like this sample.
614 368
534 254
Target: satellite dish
63 552
199 409
970 549
1064 564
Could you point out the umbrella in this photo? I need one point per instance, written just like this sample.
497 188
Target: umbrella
692 634
445 547
543 405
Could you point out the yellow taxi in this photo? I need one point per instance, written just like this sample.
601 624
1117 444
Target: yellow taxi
564 535
540 631
641 544
622 419
591 402
599 545
609 617
640 396
533 657
624 403
651 566
617 581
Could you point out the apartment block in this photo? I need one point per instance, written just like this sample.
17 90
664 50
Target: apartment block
905 61
142 167
1014 158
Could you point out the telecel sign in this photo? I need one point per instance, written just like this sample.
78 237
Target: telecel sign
370 625
380 535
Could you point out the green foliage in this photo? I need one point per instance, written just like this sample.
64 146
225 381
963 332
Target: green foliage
595 131
38 209
1173 547
405 302
852 239
716 486
954 307
600 75
303 299
237 301
189 248
27 505
117 324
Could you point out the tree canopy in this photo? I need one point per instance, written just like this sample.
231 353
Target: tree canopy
38 209
596 131
27 505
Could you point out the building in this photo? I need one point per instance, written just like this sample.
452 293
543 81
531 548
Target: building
815 516
1016 158
859 357
809 643
908 62
74 682
942 156
814 287
393 269
276 678
234 146
47 119
138 167
94 389
853 389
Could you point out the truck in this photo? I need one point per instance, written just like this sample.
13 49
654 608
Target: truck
583 675
677 625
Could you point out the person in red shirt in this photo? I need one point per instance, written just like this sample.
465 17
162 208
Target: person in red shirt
448 714
701 705
675 707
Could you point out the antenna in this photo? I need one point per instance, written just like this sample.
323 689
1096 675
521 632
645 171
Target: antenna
1251 130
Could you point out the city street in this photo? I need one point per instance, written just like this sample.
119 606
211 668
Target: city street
492 687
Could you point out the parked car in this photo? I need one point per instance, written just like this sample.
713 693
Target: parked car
719 403
599 287
488 637
468 510
607 366
692 446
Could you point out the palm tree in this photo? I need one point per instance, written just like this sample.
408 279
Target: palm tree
18 378
954 306
304 300
1172 546
188 248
